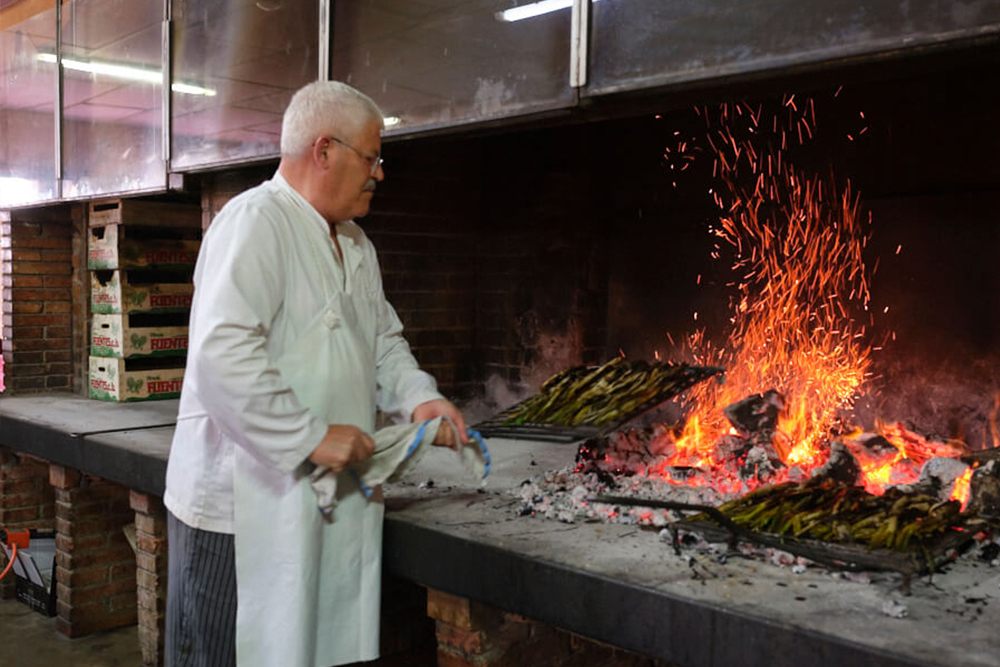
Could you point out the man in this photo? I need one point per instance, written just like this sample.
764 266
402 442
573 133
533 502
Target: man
292 347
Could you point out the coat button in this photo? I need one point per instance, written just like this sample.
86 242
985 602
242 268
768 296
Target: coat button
331 319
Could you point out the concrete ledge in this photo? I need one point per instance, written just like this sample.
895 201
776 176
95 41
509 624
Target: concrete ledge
123 443
613 583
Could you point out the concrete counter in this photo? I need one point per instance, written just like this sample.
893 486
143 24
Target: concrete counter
617 584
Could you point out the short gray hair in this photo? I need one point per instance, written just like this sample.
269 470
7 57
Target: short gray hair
324 106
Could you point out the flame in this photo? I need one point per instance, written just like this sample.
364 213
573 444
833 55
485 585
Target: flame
800 311
961 490
797 246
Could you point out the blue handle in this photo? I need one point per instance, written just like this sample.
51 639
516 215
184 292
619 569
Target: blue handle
478 437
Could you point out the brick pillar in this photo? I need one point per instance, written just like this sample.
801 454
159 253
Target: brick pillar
473 634
26 500
95 566
37 247
151 574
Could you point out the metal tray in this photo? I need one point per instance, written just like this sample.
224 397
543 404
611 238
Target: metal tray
494 427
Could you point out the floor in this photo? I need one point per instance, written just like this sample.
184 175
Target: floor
29 639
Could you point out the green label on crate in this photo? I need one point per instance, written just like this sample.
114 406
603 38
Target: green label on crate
102 346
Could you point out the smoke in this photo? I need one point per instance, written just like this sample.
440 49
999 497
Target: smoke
498 395
948 399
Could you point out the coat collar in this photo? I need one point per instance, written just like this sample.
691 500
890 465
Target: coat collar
348 233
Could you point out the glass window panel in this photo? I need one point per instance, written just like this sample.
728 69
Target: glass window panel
27 102
248 58
444 62
112 97
641 43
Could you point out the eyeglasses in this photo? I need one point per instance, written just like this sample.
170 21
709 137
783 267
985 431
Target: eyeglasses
374 161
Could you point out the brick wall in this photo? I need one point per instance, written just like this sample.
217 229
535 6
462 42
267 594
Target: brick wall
26 499
473 634
151 574
542 252
95 566
37 255
423 223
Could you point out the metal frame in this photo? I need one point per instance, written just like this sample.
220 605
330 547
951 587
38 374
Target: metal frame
579 40
58 115
325 35
166 106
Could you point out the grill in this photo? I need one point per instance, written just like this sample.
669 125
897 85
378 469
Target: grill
507 424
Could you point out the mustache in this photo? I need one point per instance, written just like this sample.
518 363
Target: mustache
370 185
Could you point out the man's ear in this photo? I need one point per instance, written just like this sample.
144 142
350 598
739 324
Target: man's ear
320 152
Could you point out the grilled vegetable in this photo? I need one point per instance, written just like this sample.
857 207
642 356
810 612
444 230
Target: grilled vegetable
605 394
825 510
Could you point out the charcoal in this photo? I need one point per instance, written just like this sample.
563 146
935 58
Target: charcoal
591 449
875 448
760 464
944 470
681 473
841 467
757 415
984 490
730 448
989 552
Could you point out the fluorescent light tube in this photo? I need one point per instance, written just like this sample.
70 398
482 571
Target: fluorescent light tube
125 72
533 9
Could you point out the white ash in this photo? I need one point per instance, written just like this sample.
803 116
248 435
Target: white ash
944 470
563 495
863 577
633 464
895 609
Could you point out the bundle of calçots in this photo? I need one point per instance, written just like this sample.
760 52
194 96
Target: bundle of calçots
833 512
606 394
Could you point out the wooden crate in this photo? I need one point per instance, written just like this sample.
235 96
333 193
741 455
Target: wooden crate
124 247
121 380
139 292
141 212
129 336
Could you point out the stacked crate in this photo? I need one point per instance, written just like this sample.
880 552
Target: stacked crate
141 256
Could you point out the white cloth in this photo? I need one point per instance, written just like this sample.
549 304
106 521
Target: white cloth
397 449
286 339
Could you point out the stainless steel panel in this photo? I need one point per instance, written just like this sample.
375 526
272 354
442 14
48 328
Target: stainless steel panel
112 82
645 43
249 58
27 103
430 63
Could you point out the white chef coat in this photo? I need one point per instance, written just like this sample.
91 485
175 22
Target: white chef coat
275 308
267 265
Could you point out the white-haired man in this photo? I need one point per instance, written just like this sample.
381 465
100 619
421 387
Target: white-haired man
292 348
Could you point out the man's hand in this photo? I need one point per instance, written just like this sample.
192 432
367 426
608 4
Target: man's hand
438 408
342 445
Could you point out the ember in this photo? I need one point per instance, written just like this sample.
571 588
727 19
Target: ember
797 356
801 319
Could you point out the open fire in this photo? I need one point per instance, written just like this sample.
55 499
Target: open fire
802 318
799 351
